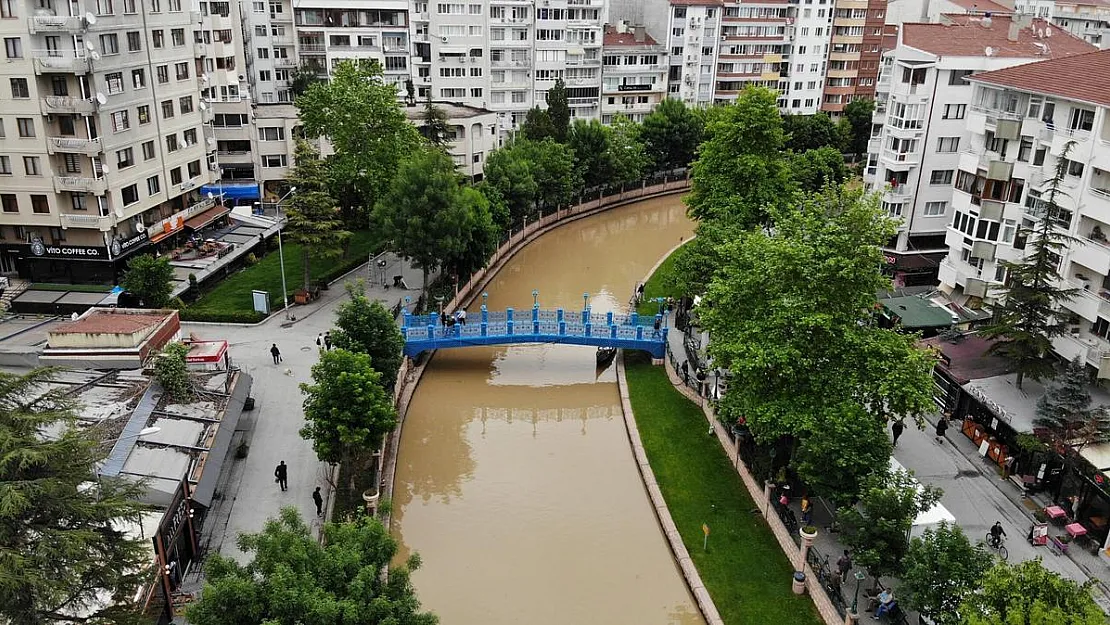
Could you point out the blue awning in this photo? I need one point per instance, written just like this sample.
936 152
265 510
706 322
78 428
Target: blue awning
236 191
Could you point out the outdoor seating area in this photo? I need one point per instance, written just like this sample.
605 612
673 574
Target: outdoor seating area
196 248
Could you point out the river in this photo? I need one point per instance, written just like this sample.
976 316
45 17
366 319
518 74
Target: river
515 481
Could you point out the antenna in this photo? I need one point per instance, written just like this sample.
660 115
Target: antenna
1047 31
89 46
95 55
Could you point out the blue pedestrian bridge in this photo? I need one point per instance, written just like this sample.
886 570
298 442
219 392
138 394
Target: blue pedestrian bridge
507 327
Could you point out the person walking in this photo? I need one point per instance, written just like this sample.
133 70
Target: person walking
686 372
896 428
844 566
807 510
276 353
942 427
327 341
320 340
318 499
281 476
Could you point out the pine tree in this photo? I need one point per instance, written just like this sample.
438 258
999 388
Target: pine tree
559 110
313 216
436 126
1028 315
1065 412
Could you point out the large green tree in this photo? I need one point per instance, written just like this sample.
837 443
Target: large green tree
63 551
483 234
813 169
789 311
364 326
628 159
533 177
347 411
671 134
558 109
1026 593
812 132
1028 313
509 178
150 278
359 113
836 458
877 529
855 125
741 172
537 125
294 578
589 140
312 217
436 126
941 569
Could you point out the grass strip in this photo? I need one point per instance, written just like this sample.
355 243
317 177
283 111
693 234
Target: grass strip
744 570
654 287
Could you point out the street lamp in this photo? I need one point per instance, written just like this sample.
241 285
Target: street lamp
535 298
859 575
281 252
585 301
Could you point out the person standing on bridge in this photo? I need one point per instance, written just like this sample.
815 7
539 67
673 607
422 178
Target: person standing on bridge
461 316
655 331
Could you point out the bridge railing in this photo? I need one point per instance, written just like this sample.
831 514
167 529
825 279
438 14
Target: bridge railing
527 327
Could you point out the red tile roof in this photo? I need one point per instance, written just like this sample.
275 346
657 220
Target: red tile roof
614 38
108 322
1083 77
982 6
965 35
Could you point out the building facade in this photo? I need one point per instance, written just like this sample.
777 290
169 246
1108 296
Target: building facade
633 73
473 132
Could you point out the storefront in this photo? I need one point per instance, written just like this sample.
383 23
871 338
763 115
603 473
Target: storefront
73 264
912 268
175 546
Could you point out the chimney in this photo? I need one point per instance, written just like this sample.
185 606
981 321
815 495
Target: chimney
1015 30
639 34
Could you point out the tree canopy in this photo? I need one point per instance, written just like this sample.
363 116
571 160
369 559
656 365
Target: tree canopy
365 326
855 125
312 216
671 134
151 279
589 140
294 578
532 177
436 127
537 125
813 169
1026 593
812 132
558 109
941 569
63 548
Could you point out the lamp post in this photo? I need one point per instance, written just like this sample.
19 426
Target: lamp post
585 301
281 252
859 575
535 298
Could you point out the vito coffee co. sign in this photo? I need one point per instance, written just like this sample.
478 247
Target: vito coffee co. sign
80 252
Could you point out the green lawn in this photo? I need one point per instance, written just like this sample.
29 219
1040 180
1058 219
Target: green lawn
744 569
654 286
234 293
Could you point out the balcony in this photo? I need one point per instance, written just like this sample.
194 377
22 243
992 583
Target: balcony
56 24
70 220
54 104
200 48
583 101
313 48
1088 347
91 147
286 62
80 185
506 63
59 61
899 161
1092 252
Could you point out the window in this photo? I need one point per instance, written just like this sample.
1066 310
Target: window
153 185
957 76
155 6
59 85
39 204
125 158
1082 120
31 165
158 38
177 35
144 114
175 175
26 126
138 78
13 47
148 150
104 7
130 7
115 82
77 201
263 53
109 44
66 126
20 88
940 176
272 133
1025 149
194 169
134 41
264 75
948 145
5 165
935 209
273 160
476 93
163 72
9 202
954 111
185 104
72 163
171 143
1008 230
120 121
130 194
395 63
167 109
175 6
182 70
7 8
1074 168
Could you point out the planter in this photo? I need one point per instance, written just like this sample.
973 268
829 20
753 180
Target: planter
799 583
808 534
370 496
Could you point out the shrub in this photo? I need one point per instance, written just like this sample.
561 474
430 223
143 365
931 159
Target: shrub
172 373
221 316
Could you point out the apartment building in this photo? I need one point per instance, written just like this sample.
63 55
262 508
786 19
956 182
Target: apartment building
805 59
1024 120
633 72
474 133
921 115
1089 19
102 133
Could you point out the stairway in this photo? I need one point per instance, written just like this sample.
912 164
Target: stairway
16 287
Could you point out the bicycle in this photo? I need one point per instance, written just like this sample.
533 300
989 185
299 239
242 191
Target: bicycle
998 545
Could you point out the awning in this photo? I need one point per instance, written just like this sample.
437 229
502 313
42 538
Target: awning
237 191
207 217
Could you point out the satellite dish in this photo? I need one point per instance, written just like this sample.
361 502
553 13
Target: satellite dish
90 19
443 39
211 142
104 169
1047 31
89 45
101 98
140 226
95 55
989 51
203 106
204 78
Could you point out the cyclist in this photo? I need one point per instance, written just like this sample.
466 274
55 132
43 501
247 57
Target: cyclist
996 534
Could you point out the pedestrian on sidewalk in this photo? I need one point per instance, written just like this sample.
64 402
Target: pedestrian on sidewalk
327 341
807 510
461 316
686 372
318 499
276 353
320 340
896 429
281 476
942 427
844 566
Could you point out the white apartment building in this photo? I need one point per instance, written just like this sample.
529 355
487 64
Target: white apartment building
474 133
1089 19
1021 121
634 73
102 132
805 59
920 121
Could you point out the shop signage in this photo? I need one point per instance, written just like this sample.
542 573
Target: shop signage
174 518
123 246
41 250
633 87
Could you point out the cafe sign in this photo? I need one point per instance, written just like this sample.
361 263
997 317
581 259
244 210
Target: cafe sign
81 252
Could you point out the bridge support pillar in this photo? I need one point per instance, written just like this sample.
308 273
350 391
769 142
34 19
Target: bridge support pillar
559 315
485 328
562 327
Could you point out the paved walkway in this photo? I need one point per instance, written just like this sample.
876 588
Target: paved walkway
249 494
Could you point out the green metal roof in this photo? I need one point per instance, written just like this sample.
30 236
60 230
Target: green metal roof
917 312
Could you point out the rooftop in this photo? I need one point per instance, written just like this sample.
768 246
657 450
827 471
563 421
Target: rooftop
698 3
112 321
616 37
968 359
454 110
1071 78
982 6
917 312
966 35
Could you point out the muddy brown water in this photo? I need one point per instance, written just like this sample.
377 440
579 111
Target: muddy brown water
515 481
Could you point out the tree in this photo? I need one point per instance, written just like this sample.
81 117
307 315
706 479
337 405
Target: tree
312 218
364 326
151 279
294 578
671 135
878 528
627 158
1028 314
741 172
303 77
484 234
436 127
425 216
589 140
813 169
849 446
537 125
856 125
1064 412
347 411
532 176
63 550
410 92
941 569
801 347
811 132
1026 593
359 114
508 174
558 109
172 372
